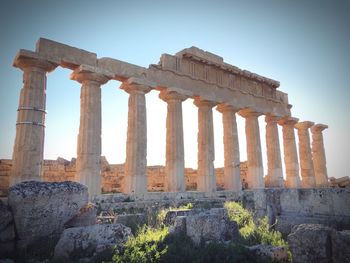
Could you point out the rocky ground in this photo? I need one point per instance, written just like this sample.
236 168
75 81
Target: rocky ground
54 222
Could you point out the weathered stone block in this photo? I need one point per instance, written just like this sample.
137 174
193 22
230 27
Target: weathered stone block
179 226
276 254
131 220
65 55
171 215
92 243
341 246
87 216
41 209
311 243
211 225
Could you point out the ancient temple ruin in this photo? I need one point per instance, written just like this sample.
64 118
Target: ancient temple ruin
190 73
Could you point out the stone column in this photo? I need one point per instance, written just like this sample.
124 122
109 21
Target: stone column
306 164
27 158
290 152
255 176
136 144
88 165
206 181
319 155
175 161
274 176
232 173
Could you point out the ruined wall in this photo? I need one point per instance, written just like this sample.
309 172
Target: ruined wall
290 207
112 175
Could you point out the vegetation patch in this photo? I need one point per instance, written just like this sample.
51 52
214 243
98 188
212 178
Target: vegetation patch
157 245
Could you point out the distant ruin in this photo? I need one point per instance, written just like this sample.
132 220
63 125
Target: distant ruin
112 175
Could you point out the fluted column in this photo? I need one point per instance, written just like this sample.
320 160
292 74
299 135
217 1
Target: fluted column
175 161
255 176
290 152
306 164
27 158
136 144
274 176
232 176
88 163
319 155
206 181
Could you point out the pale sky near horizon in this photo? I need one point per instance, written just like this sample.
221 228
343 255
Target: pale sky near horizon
302 44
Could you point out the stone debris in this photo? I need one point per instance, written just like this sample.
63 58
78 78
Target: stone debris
41 209
91 243
342 182
276 254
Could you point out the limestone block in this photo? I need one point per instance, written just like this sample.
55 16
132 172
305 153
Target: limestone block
90 242
87 216
341 246
133 221
7 231
179 226
41 209
276 254
211 225
65 55
194 51
311 243
171 215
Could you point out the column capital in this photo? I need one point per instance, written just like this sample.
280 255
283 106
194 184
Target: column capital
271 118
133 85
318 128
248 112
88 73
304 125
223 107
27 59
288 120
200 102
170 95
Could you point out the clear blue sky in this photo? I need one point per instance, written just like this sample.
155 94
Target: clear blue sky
302 44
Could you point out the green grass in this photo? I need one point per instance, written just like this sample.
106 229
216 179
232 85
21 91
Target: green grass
156 245
253 233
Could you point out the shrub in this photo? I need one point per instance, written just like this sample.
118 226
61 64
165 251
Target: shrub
156 245
251 233
146 246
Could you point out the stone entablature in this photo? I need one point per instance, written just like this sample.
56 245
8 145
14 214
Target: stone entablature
190 74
